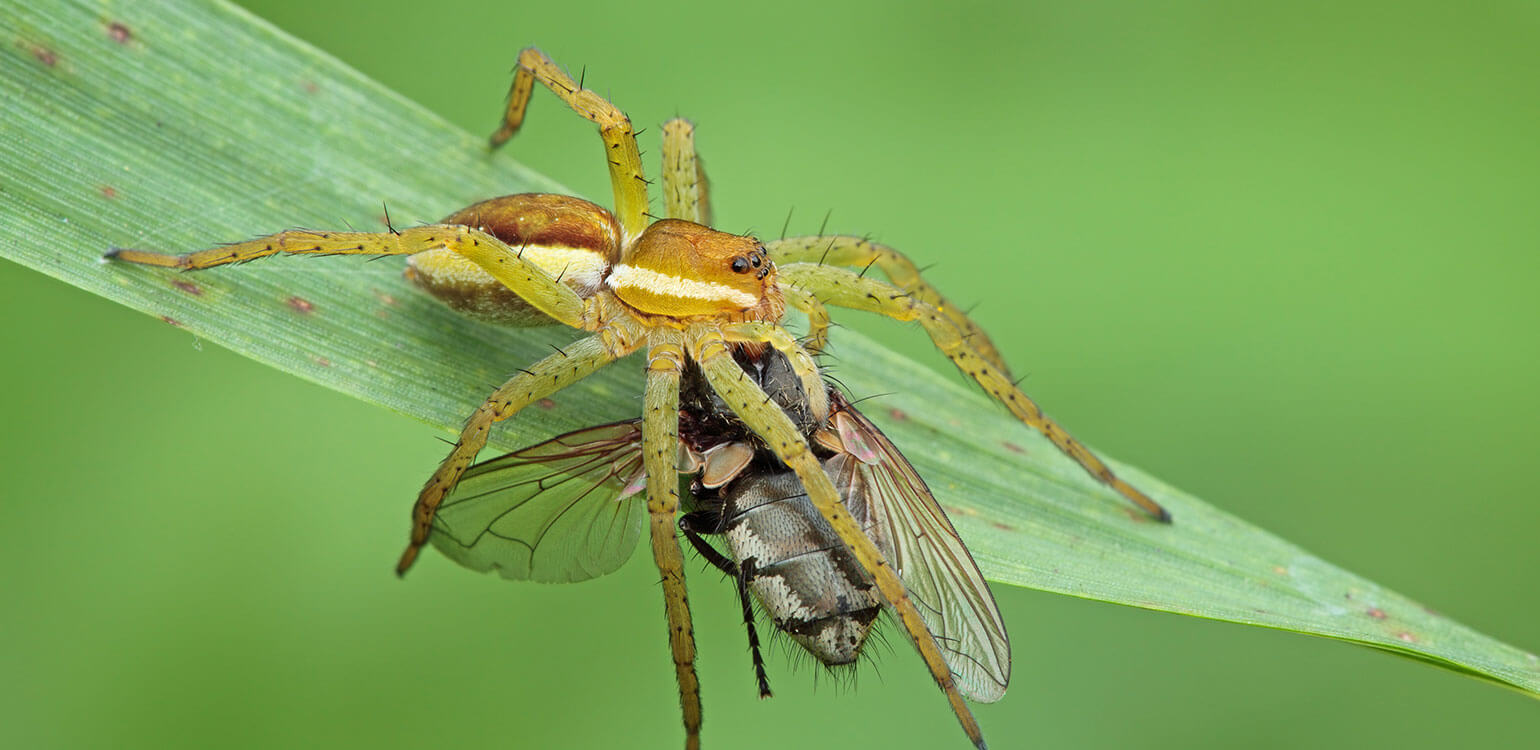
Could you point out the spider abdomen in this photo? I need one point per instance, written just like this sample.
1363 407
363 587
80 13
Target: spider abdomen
569 238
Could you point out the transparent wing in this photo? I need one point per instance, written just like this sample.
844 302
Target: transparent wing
906 522
566 510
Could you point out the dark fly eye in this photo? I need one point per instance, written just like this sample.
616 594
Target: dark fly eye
741 265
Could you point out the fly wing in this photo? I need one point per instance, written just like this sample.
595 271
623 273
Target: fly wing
907 524
562 511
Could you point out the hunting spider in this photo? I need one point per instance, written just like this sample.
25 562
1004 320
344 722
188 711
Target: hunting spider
683 293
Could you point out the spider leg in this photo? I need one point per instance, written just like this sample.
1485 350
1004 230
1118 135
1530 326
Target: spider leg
660 455
693 527
859 252
686 191
627 179
817 316
543 378
507 265
801 362
761 415
844 288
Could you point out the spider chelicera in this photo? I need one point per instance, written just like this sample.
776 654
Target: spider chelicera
682 293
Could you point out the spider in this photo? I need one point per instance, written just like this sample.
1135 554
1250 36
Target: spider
683 293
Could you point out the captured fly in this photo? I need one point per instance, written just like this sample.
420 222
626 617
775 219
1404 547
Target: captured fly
572 508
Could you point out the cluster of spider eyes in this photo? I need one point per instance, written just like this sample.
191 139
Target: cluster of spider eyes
742 264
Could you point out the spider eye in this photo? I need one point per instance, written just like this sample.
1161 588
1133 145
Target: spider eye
755 259
741 264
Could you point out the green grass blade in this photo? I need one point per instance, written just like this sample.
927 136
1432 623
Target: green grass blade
191 124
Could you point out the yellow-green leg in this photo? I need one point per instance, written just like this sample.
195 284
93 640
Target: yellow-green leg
765 419
843 288
801 362
660 452
526 279
627 179
686 192
817 316
545 377
859 252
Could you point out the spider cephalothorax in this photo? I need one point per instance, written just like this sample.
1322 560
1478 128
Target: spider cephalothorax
688 296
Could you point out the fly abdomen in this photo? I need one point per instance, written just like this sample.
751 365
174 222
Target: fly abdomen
797 567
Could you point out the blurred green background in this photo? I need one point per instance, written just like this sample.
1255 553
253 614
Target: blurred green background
1281 255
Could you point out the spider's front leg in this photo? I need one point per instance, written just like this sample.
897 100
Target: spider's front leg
837 286
627 179
764 418
660 455
545 377
859 252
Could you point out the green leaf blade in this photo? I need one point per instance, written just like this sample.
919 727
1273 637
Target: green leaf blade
208 125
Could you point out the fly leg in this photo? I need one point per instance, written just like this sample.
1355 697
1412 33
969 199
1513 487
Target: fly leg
700 522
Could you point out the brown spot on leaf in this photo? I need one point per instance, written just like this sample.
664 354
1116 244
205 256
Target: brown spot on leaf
1002 526
119 32
386 298
1280 570
546 404
44 55
1014 448
1406 636
898 414
301 305
310 87
109 192
322 361
171 321
188 286
1376 613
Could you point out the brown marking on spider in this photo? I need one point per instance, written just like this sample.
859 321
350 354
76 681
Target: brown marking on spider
1014 448
109 192
188 287
119 32
1376 613
300 305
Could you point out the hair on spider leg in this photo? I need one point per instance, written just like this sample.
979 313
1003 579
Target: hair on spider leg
786 224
